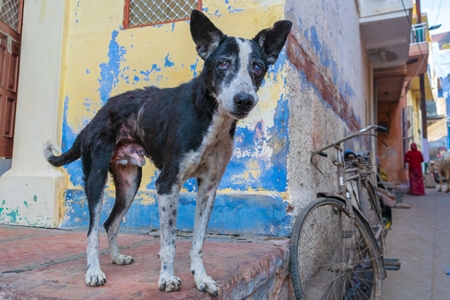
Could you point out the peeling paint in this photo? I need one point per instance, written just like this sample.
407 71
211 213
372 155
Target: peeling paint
318 81
74 169
233 214
13 215
324 55
167 62
193 68
233 10
109 72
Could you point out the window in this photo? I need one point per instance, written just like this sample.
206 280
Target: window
10 12
151 12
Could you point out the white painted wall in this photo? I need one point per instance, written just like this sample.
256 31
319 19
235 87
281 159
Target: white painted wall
374 8
29 189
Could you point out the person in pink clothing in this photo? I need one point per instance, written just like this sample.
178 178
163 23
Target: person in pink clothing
414 158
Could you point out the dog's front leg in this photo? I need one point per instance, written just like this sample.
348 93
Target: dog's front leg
167 208
205 201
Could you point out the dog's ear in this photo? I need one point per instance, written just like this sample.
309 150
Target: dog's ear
205 34
271 40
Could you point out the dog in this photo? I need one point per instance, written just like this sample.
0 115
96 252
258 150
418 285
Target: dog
186 131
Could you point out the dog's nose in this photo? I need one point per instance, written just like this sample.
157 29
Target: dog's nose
244 101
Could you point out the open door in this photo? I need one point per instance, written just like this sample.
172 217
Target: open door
10 27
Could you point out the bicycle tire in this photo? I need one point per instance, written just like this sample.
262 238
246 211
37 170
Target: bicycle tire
319 251
372 211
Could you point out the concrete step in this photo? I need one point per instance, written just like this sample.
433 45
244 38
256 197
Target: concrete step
38 263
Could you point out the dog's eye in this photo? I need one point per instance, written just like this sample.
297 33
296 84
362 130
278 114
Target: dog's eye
224 64
257 69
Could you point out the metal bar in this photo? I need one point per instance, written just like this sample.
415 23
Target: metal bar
353 177
423 106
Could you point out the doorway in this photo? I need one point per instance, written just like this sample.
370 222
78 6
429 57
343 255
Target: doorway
10 41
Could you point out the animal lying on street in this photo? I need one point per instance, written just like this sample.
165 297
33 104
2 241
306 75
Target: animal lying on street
186 131
443 169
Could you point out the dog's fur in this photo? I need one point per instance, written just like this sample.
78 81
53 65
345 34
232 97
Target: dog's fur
187 131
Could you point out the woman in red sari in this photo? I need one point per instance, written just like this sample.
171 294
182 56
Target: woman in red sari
414 159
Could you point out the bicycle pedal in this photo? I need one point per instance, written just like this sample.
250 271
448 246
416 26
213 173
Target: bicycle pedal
392 263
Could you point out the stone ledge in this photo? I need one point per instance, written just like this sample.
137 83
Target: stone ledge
50 264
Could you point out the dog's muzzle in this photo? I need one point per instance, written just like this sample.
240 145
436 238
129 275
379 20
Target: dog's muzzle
244 103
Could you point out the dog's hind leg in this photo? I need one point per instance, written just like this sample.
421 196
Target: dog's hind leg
205 200
168 192
95 183
126 179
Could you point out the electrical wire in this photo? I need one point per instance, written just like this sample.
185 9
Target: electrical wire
439 10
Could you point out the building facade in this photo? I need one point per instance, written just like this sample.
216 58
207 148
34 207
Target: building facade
328 82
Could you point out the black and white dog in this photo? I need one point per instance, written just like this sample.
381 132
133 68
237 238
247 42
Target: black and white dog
187 131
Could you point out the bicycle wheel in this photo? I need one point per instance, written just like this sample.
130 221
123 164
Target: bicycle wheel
331 254
370 207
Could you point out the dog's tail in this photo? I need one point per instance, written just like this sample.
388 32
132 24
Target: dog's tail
71 155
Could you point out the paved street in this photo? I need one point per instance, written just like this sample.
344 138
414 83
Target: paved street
420 237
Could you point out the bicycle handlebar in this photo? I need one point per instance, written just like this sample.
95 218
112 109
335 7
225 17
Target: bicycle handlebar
355 134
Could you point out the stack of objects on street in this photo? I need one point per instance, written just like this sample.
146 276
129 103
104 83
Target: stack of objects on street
390 199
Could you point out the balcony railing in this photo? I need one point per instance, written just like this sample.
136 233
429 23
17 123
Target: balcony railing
419 33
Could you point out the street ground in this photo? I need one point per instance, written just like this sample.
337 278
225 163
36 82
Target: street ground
420 238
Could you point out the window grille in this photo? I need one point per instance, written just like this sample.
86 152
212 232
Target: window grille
152 12
9 13
408 129
418 33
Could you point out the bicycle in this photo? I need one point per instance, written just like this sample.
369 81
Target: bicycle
336 242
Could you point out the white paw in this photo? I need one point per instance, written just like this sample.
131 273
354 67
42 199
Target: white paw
122 260
205 283
169 283
95 277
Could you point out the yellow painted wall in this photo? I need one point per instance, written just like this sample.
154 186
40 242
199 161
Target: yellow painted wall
413 99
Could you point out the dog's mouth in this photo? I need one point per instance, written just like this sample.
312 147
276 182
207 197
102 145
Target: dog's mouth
239 115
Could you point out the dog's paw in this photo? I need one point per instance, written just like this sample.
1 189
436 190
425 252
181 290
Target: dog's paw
169 283
122 260
95 277
206 284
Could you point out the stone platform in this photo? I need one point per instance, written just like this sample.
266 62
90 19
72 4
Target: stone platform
38 263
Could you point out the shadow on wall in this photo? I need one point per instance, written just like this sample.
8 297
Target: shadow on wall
5 165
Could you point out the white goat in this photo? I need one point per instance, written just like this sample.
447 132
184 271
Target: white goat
443 169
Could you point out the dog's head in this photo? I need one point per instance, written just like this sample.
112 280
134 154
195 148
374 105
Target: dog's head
235 67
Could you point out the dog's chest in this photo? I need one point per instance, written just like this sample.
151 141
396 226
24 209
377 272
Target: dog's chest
214 152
